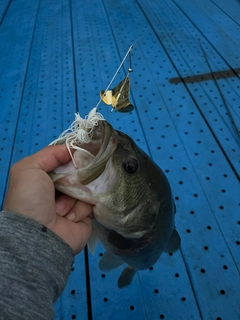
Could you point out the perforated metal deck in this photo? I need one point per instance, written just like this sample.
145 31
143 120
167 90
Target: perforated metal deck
55 57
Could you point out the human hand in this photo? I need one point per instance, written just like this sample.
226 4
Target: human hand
31 193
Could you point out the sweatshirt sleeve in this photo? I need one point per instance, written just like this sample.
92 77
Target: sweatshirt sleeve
34 267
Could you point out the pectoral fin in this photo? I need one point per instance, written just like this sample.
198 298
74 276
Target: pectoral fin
92 242
109 262
126 277
174 242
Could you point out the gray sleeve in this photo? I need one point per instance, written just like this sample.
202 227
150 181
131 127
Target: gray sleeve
34 268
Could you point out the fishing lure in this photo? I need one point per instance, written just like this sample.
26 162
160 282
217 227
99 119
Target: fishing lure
81 130
118 97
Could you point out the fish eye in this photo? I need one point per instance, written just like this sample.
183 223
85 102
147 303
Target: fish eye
131 166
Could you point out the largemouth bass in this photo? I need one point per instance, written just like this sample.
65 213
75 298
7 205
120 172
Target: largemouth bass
133 204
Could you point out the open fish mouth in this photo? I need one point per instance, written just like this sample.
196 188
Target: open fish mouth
89 159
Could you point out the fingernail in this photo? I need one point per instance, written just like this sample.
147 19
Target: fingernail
60 207
70 216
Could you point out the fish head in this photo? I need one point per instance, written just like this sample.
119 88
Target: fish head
132 204
126 188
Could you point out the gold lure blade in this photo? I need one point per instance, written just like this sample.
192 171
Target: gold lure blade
107 97
118 97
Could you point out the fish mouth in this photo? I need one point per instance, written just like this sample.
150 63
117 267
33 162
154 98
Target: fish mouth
90 158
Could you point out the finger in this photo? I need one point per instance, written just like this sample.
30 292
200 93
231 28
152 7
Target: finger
64 204
48 158
82 231
74 234
80 211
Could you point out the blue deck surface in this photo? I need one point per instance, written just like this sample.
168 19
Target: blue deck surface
55 57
